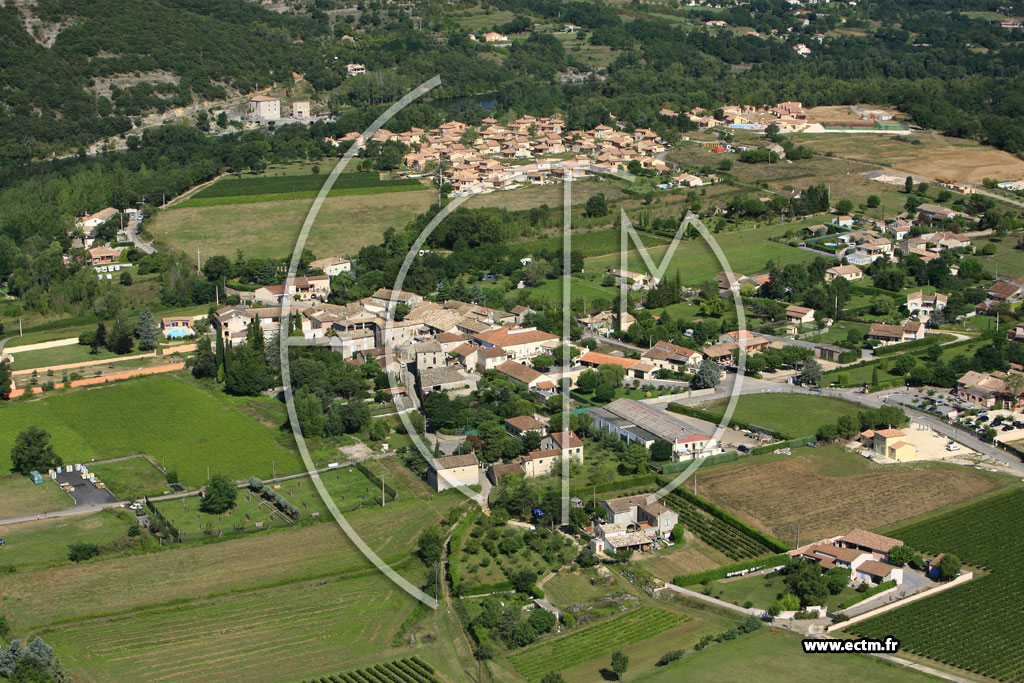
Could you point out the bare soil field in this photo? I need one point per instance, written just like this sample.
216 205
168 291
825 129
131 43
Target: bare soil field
827 491
843 113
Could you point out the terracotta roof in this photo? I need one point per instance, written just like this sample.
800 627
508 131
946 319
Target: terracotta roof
508 336
878 569
453 461
537 455
518 371
572 441
524 422
871 540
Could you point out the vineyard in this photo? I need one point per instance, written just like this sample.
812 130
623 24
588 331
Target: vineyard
596 641
408 670
717 533
988 612
287 184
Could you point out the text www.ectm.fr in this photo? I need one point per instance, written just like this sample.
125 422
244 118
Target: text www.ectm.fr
887 645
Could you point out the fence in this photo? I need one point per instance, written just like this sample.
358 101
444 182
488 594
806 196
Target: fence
377 481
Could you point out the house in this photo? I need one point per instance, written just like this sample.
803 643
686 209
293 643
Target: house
495 37
520 342
517 426
522 374
633 522
843 221
923 305
799 315
454 381
668 356
889 443
332 265
381 300
566 443
874 572
986 388
300 109
895 334
429 355
874 543
829 555
101 255
1004 292
175 327
635 281
540 462
847 272
265 108
303 288
634 367
355 69
637 422
97 219
1018 333
453 471
232 322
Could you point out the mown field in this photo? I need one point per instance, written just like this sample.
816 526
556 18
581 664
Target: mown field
169 418
19 496
241 190
45 542
344 225
988 611
131 479
277 605
773 493
793 415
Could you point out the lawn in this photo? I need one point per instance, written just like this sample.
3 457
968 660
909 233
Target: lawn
793 415
551 291
59 355
45 542
761 592
269 229
771 492
772 655
168 417
864 374
131 479
1006 262
19 496
248 512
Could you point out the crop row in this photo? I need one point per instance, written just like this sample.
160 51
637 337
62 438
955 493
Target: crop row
586 644
408 670
715 532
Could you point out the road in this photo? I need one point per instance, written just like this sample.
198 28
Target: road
132 230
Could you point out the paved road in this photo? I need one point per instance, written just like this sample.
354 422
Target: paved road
132 230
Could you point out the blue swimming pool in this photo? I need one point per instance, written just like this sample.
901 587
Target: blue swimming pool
177 332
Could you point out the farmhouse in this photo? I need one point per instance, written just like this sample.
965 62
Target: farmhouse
517 426
799 315
636 422
522 374
232 322
452 380
453 471
633 522
1005 292
265 108
889 443
865 540
520 342
668 356
862 552
635 281
566 443
921 304
313 287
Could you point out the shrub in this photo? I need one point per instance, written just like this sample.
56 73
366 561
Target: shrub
669 657
80 552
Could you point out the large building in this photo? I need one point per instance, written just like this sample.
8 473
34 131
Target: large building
633 523
453 471
636 422
265 108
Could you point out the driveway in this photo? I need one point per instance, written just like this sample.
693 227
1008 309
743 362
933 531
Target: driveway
913 582
85 494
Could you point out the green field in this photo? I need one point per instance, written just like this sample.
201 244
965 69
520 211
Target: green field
793 415
1006 262
761 592
19 496
180 425
131 479
45 542
344 225
747 251
988 611
774 655
59 355
266 185
306 593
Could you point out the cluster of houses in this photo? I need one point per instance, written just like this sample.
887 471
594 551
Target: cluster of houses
988 388
528 150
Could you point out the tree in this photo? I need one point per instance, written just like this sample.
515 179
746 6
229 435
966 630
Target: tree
32 451
708 376
217 267
900 555
541 620
811 372
873 201
635 459
661 451
949 567
596 206
218 495
247 373
844 206
522 580
5 381
678 534
620 662
99 339
80 552
203 363
430 545
837 578
908 185
552 677
120 338
147 331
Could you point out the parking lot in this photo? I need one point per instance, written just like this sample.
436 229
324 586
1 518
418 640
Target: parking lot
85 494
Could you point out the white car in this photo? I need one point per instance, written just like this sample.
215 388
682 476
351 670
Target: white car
952 447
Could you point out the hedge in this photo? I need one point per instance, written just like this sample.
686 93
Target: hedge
618 484
709 507
374 479
720 572
911 345
715 419
860 597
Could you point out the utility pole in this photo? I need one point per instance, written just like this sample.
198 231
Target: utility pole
199 261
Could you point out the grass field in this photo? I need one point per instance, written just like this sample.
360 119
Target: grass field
305 593
131 479
774 656
269 229
762 591
267 185
45 542
59 355
793 415
773 492
747 251
19 496
178 424
1006 262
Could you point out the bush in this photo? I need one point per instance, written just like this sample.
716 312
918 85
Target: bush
80 552
669 657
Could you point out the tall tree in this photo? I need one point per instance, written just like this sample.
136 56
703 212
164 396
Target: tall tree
32 451
708 376
147 331
218 496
